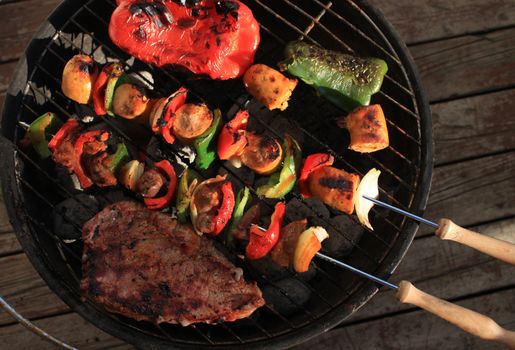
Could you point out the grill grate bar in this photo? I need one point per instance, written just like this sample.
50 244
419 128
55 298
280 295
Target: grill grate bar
315 20
229 330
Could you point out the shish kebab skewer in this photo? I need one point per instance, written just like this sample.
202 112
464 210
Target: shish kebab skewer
470 321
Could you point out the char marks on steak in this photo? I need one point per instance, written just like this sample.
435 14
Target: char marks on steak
145 265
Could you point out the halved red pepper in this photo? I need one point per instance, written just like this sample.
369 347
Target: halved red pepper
70 127
99 88
163 201
232 140
176 100
312 163
224 213
89 136
262 242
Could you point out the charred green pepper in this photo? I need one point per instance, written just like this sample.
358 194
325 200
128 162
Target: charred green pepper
242 199
185 189
282 182
345 80
41 131
118 159
205 144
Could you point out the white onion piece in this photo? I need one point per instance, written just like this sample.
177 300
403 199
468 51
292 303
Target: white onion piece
368 187
320 233
235 161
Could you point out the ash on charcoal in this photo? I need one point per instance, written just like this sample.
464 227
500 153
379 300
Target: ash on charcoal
70 215
343 235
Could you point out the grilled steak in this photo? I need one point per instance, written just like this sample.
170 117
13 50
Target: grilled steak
145 265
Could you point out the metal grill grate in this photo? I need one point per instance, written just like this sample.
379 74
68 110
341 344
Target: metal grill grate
334 294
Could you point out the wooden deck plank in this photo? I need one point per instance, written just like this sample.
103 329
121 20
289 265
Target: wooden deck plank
466 65
25 290
475 126
473 192
70 328
424 20
419 330
446 269
9 244
21 20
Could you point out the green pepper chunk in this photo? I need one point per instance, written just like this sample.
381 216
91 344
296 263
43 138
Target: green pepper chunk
347 81
282 182
205 144
242 199
118 78
118 159
185 189
41 131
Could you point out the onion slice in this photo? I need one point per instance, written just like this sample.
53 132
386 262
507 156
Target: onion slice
308 244
368 187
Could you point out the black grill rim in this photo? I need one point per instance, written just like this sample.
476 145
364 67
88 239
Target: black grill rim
19 220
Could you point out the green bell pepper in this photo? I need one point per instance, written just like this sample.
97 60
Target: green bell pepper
41 131
118 159
282 182
205 144
242 199
185 189
118 78
345 80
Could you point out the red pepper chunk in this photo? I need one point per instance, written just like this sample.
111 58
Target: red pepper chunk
312 163
214 38
232 140
99 88
261 243
69 128
89 136
225 211
173 103
161 202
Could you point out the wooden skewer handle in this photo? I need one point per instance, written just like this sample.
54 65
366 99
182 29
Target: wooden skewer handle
497 248
468 320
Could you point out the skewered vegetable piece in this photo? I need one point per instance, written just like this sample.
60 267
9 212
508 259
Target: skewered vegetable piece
109 72
185 190
284 250
163 116
308 244
130 174
263 154
334 187
156 203
269 86
367 187
150 183
345 80
79 76
211 206
191 121
205 144
88 143
282 182
129 101
232 139
261 243
367 128
312 163
242 198
39 131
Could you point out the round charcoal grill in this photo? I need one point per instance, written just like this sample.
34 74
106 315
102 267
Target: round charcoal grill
298 306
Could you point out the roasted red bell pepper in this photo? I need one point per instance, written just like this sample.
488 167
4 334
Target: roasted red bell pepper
262 242
216 38
171 106
232 140
82 139
110 70
161 202
312 163
70 127
224 213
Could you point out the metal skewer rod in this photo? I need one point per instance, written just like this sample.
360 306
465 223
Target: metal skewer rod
350 268
358 271
403 212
